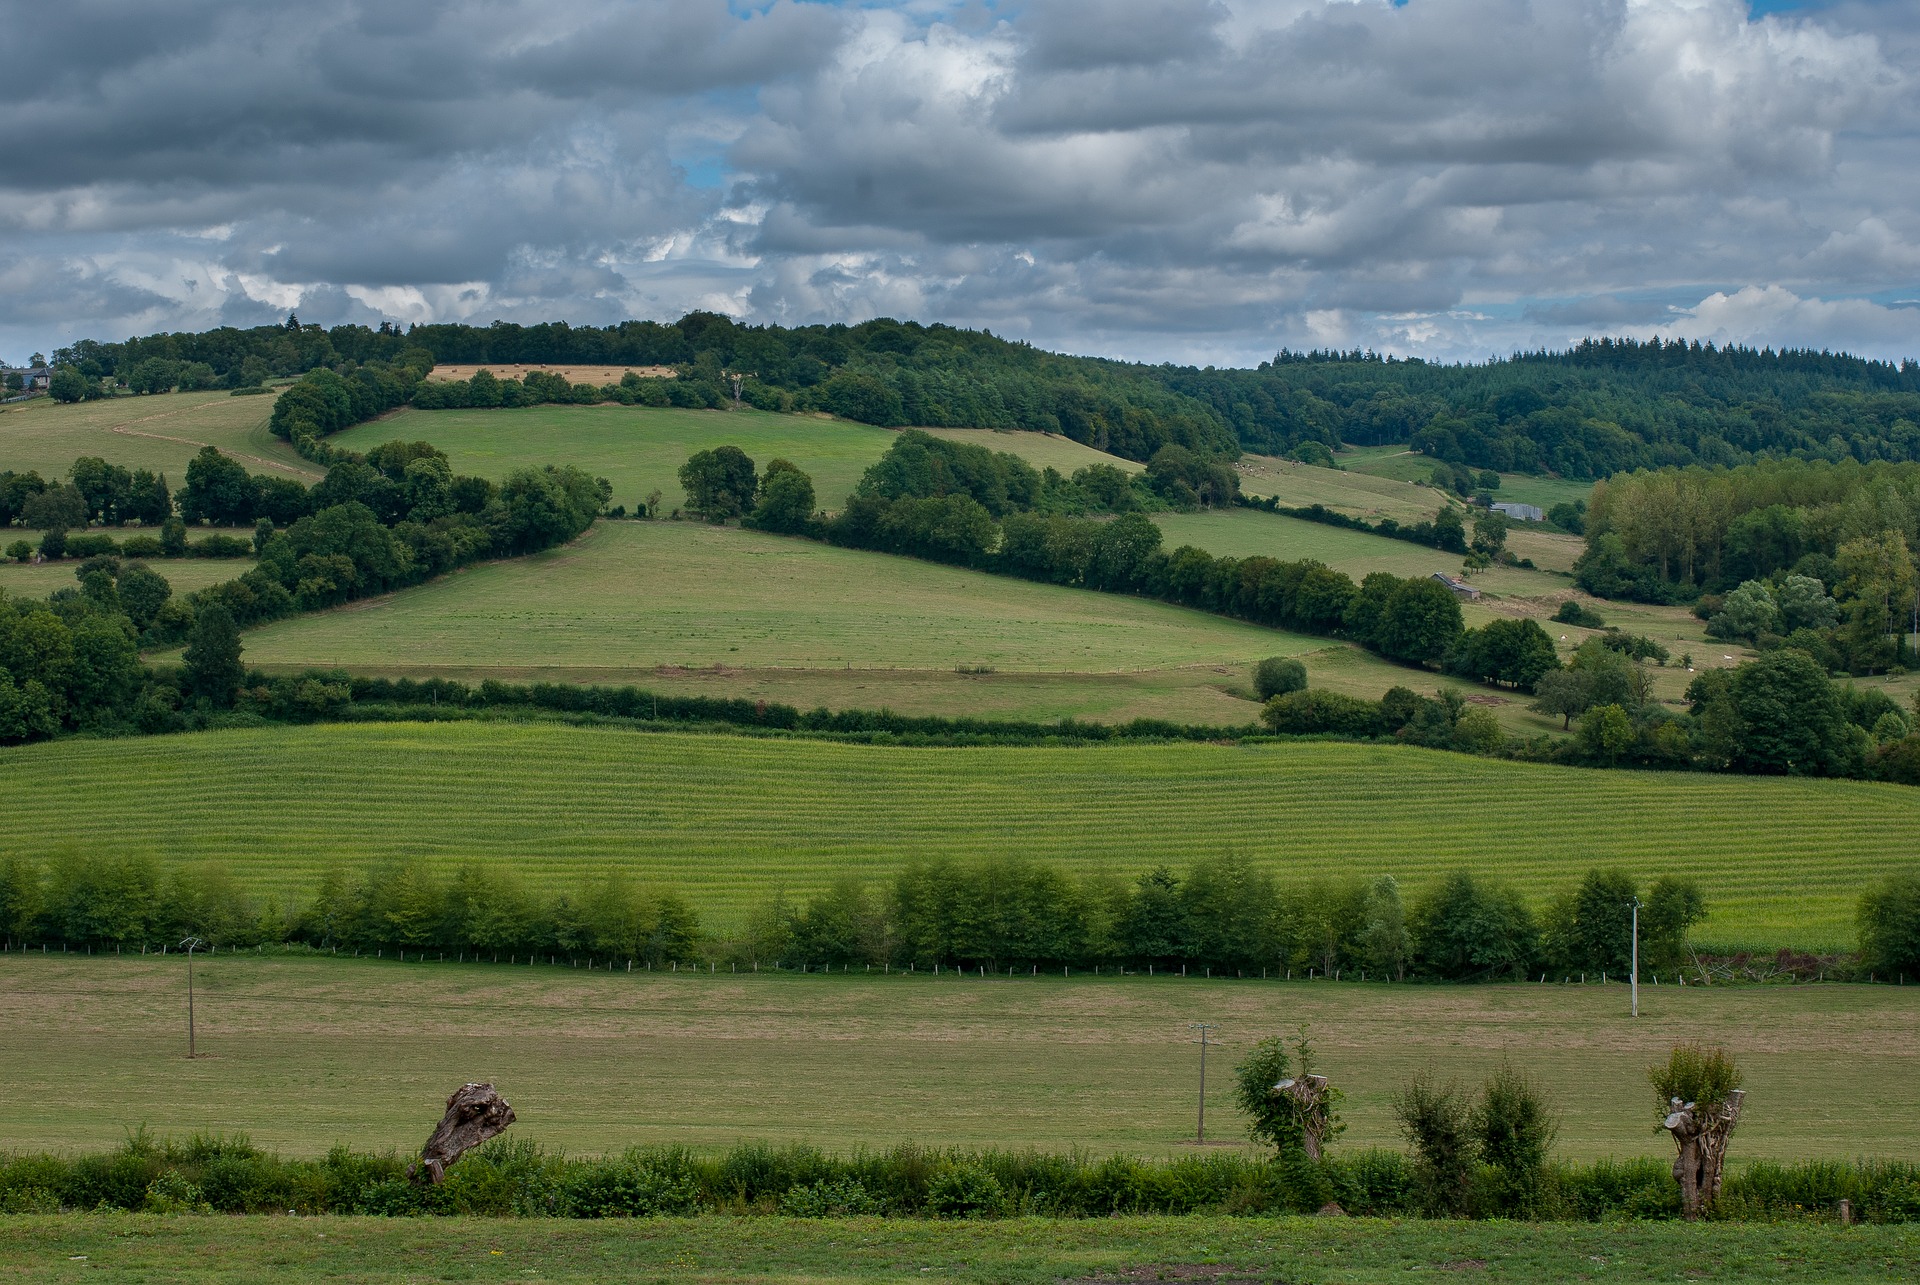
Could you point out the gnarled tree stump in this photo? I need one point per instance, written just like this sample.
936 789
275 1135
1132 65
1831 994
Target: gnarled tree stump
474 1114
1308 1096
1701 1135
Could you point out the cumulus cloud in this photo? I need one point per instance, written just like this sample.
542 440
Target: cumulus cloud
1184 179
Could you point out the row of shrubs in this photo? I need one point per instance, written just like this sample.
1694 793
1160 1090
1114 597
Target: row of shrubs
515 1177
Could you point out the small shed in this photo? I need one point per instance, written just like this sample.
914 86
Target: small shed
1519 512
1460 588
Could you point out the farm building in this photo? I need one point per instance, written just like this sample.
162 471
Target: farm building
1461 589
1520 512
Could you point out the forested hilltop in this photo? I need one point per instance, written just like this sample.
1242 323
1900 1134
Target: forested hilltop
1602 407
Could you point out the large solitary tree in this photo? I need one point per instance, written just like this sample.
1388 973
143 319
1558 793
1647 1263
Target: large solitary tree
212 657
720 483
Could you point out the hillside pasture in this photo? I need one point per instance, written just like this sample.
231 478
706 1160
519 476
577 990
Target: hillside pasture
25 580
696 609
301 1053
1401 464
637 595
1359 495
160 432
638 449
727 819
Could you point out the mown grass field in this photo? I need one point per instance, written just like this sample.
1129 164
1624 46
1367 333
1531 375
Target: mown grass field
1109 1251
1357 494
160 432
727 819
303 1052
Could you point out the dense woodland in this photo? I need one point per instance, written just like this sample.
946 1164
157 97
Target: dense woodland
1602 407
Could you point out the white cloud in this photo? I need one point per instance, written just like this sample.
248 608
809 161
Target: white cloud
1202 179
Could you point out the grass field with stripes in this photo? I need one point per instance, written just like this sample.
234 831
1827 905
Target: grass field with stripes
728 819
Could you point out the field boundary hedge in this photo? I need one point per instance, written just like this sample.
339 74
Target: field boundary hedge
518 1178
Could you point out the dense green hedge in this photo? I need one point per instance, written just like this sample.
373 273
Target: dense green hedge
512 1177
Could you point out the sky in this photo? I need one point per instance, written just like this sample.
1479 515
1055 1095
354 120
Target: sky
1201 181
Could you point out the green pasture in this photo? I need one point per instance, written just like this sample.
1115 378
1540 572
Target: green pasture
25 580
1359 495
727 819
698 609
637 448
302 1052
1401 464
1042 450
111 1248
642 594
159 432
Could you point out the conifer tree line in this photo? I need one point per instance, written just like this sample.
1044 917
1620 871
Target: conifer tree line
1602 407
1226 914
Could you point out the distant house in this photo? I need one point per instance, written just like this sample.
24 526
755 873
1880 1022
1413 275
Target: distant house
1461 589
1520 512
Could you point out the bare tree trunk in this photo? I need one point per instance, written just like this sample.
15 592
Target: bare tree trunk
1701 1137
475 1113
1308 1094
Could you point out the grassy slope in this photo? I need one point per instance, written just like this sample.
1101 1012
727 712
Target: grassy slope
637 448
595 1062
727 818
1401 464
802 622
160 433
24 580
286 1251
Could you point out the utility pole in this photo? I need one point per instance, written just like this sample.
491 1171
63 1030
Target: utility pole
1200 1130
190 945
1636 956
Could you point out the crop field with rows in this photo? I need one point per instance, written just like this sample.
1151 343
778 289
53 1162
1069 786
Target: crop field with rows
727 819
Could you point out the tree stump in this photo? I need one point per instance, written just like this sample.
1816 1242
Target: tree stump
1701 1136
475 1113
1308 1096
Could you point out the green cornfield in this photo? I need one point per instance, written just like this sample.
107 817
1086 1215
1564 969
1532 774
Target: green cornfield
729 819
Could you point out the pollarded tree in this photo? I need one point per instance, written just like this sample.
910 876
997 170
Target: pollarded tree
1700 1100
1292 1111
720 483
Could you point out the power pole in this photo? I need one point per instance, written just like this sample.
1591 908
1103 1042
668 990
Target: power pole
190 945
1636 956
1200 1129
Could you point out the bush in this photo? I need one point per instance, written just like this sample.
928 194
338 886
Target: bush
1306 712
625 1188
1574 612
1438 1123
829 1198
965 1190
1278 675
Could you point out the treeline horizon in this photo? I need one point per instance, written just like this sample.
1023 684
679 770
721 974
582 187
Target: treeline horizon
1224 914
1600 407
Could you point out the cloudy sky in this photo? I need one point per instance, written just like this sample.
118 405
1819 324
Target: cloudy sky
1187 180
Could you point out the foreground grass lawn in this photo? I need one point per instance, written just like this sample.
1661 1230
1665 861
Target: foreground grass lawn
1299 1251
302 1053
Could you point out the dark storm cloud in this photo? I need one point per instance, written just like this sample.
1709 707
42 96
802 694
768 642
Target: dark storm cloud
1181 178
